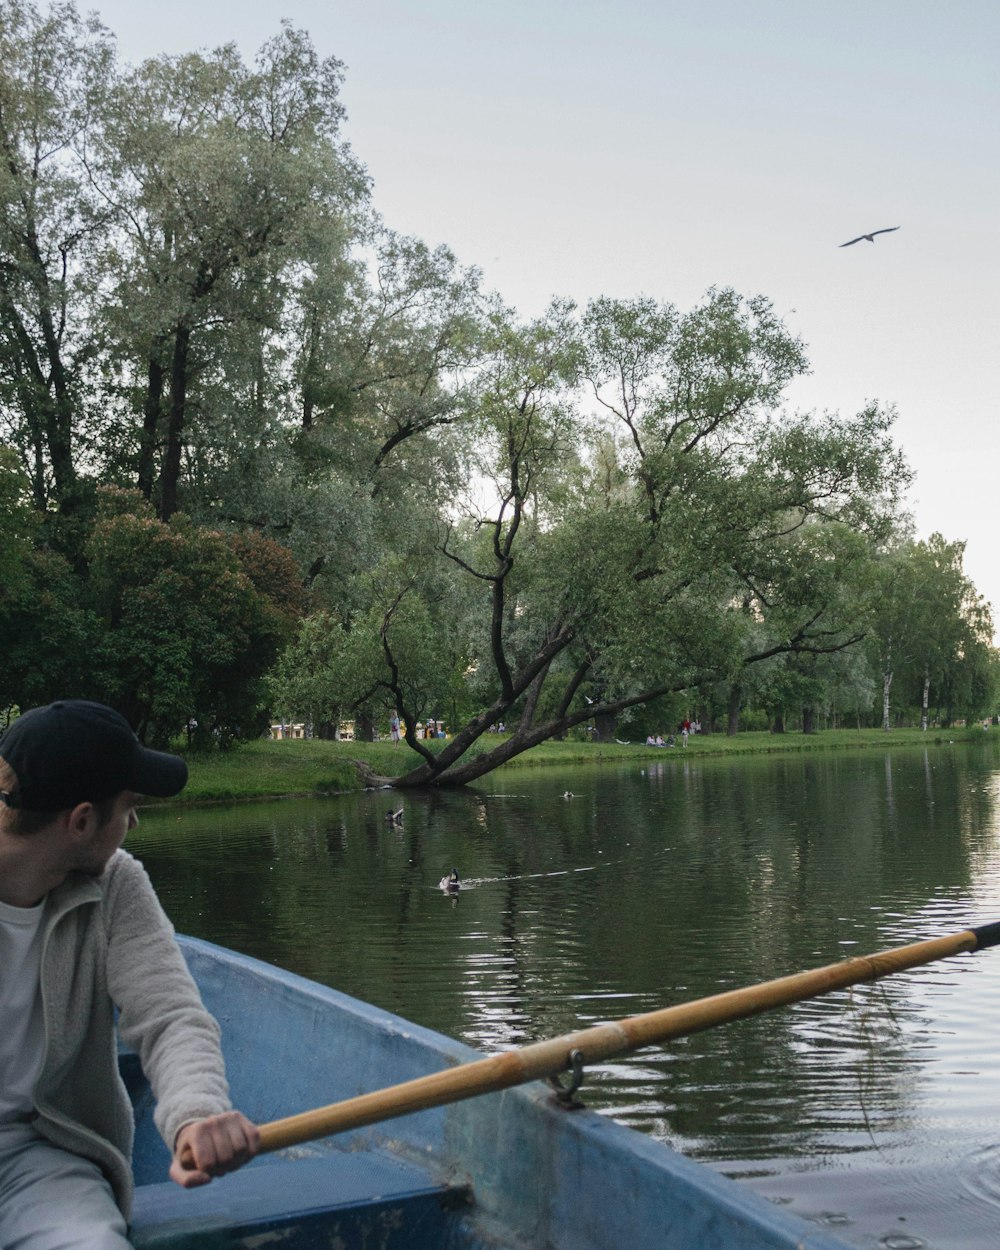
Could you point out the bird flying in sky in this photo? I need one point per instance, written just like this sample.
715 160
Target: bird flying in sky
870 237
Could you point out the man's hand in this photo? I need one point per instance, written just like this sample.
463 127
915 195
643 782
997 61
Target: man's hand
211 1147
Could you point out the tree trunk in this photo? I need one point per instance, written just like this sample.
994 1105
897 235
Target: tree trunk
926 701
310 368
170 476
58 421
733 717
151 410
38 496
778 725
607 726
807 721
886 684
42 389
56 403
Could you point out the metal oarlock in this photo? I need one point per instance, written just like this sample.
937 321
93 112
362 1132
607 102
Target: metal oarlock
566 1094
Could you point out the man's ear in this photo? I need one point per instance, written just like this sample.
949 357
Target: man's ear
81 821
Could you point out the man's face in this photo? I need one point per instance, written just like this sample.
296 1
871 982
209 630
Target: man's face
94 854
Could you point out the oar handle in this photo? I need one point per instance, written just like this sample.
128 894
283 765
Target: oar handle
549 1058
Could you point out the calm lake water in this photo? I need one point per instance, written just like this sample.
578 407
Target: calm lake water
874 1111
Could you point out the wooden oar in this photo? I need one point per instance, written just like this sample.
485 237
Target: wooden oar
560 1054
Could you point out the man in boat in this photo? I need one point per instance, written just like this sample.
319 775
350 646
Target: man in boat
83 936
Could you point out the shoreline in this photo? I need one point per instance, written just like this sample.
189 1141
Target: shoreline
266 769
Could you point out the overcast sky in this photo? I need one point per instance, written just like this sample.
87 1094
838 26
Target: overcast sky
660 147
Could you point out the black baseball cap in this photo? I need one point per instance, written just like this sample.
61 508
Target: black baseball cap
75 751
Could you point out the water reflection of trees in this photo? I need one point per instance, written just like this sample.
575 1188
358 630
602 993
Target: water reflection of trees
651 887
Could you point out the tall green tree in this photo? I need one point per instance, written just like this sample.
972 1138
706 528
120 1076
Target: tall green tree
377 430
53 69
928 623
709 541
894 623
954 622
218 175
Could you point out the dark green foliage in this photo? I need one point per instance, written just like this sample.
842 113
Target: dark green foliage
186 629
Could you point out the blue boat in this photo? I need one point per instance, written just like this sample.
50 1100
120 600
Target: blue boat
513 1170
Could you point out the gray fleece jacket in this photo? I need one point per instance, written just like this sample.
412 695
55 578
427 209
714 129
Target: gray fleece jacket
107 943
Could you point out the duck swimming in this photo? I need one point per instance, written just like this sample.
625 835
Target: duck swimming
451 883
569 795
394 818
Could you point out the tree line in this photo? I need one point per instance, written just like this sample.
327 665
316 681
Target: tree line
260 454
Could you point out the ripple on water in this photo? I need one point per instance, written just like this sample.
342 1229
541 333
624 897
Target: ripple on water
879 1105
980 1178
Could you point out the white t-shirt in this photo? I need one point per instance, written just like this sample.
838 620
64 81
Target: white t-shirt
22 1036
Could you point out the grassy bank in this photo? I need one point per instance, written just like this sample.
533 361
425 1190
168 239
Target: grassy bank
272 769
